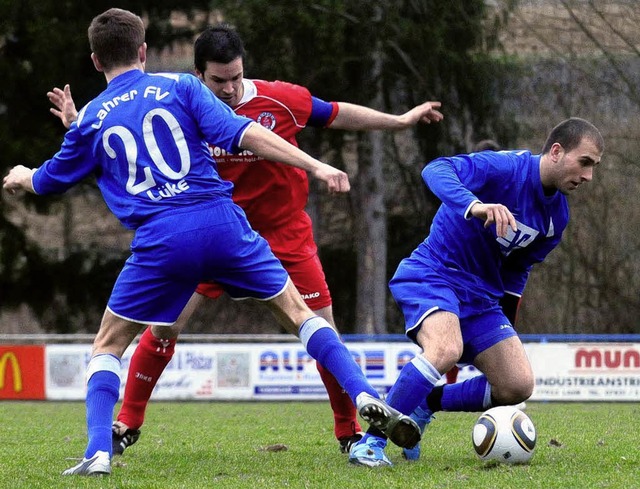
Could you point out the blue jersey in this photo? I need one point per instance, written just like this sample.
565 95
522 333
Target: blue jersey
473 255
144 140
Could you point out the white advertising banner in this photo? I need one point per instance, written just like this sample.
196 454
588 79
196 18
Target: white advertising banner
65 367
284 371
196 371
273 371
585 371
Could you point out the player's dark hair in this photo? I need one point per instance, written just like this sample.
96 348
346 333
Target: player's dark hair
219 44
486 145
570 133
115 37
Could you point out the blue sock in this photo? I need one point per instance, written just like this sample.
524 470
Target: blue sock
323 344
415 382
374 433
103 390
472 395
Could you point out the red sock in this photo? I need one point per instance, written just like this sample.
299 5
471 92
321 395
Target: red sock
149 360
344 412
452 375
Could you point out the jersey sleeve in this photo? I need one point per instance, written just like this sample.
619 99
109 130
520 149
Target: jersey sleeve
69 165
322 113
217 121
459 180
444 177
295 99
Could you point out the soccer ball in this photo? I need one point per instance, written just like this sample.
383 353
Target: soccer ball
504 434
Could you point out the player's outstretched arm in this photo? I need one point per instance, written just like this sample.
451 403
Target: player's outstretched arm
272 147
359 118
425 113
65 108
19 178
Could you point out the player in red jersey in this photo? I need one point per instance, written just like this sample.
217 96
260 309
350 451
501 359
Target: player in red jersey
273 196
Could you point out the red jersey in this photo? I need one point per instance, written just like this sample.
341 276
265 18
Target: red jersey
270 193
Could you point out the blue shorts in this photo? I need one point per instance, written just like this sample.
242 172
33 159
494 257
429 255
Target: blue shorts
172 254
420 289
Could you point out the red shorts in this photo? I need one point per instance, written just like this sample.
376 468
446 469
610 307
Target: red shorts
294 246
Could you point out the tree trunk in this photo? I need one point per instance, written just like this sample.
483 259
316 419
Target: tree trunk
371 223
371 238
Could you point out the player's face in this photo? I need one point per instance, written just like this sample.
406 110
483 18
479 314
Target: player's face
224 80
576 167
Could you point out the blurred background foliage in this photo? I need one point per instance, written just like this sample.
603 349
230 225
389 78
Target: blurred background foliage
505 70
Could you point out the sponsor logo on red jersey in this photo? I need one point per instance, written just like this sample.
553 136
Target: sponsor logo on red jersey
266 119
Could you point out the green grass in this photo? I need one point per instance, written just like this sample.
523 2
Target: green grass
223 445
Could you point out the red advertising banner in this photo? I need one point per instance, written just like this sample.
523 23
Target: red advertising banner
22 372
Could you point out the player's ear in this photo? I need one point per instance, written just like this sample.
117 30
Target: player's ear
142 53
96 62
556 151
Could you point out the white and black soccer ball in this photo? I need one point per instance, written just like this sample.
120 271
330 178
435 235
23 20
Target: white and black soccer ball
504 434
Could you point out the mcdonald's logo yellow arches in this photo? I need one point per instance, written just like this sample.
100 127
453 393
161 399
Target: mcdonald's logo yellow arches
10 357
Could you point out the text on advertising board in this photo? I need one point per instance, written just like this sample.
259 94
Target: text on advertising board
609 358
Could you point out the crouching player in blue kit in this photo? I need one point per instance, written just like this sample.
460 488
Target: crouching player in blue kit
144 140
501 213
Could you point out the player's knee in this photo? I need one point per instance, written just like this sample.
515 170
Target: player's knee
443 356
452 354
513 393
521 393
166 332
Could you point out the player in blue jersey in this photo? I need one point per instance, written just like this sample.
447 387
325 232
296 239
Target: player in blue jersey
501 213
143 139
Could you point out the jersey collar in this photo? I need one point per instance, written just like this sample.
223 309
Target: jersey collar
249 90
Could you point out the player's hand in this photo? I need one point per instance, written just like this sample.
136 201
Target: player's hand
66 109
337 181
19 178
426 113
497 214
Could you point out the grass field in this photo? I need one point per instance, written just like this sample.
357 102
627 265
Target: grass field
226 445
